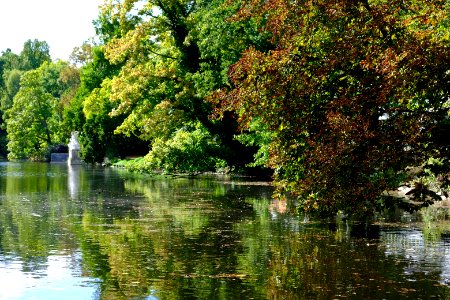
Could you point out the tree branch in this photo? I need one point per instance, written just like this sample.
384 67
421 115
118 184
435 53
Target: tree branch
162 55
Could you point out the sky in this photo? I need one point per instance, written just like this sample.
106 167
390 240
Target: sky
63 24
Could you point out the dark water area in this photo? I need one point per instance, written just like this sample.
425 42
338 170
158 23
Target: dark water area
93 233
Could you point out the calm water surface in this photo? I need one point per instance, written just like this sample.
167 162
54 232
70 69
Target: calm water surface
93 233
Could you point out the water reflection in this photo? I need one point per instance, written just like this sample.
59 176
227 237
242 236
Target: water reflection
419 254
105 234
74 179
61 278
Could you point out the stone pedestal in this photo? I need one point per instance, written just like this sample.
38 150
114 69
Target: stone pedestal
59 157
74 157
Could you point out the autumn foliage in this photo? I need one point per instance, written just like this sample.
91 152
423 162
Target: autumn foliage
354 92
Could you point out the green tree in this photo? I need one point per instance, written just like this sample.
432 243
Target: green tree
353 93
12 66
97 139
11 87
8 62
172 59
33 121
34 53
88 112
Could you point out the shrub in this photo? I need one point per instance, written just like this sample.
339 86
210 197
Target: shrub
190 150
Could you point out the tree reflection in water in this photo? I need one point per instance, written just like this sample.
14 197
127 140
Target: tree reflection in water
140 237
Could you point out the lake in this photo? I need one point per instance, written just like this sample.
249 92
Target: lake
100 233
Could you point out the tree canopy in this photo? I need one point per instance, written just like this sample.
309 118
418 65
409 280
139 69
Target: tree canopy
354 93
342 100
166 62
12 66
34 119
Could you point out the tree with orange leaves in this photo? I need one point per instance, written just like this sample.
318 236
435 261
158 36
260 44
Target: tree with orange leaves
353 94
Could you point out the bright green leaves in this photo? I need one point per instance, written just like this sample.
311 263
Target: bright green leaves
150 75
33 121
190 150
34 54
98 101
169 61
12 67
115 19
11 87
258 136
139 89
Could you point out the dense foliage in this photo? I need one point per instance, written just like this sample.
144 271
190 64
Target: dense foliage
12 66
343 100
33 121
354 93
172 57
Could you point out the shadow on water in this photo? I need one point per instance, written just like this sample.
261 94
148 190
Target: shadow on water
106 234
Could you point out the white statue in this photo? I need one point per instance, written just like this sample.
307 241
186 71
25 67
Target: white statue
74 150
73 143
